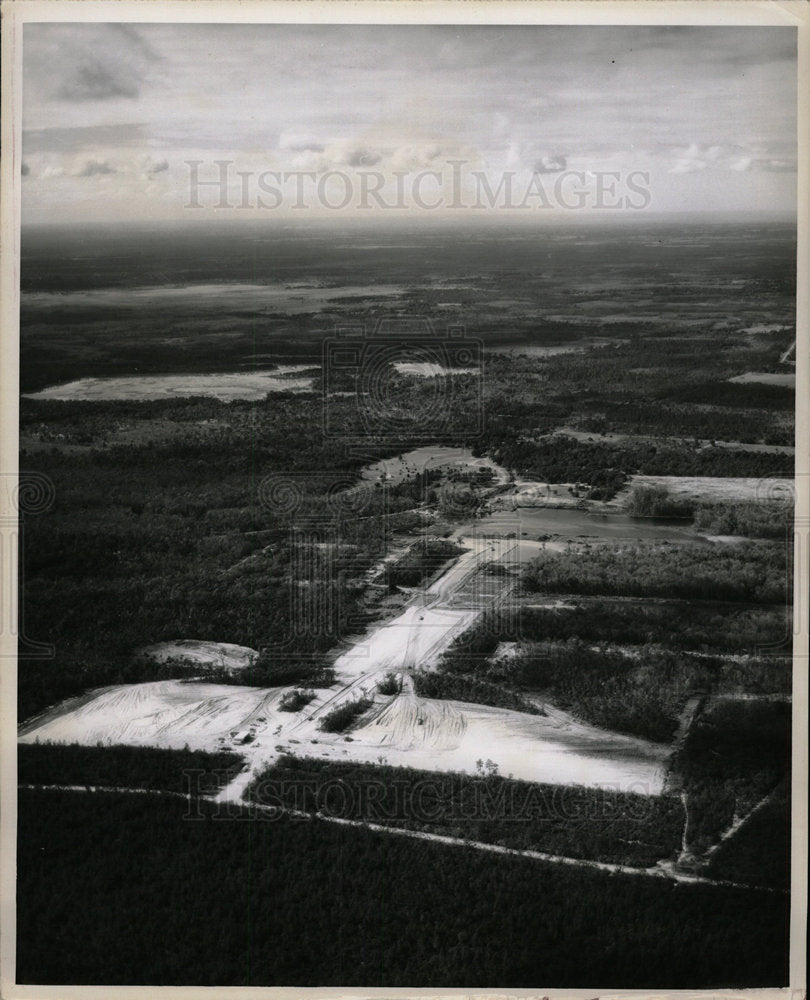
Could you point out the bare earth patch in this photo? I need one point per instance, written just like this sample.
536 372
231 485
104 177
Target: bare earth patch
214 655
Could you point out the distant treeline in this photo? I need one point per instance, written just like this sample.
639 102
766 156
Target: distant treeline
563 459
748 395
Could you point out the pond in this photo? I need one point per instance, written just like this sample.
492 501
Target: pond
582 525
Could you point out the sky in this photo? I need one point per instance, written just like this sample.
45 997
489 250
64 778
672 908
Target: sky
703 118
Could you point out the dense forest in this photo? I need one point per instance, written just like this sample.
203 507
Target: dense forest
420 562
736 754
303 903
754 572
759 853
702 626
181 771
476 689
570 820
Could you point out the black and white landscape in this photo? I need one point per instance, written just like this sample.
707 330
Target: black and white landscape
406 453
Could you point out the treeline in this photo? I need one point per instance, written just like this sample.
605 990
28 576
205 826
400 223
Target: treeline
562 459
420 562
693 625
183 771
569 820
163 901
656 501
751 572
479 691
341 717
734 755
755 520
668 418
745 395
746 518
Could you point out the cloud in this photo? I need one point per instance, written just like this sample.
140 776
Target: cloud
98 162
94 167
362 157
297 142
737 157
755 163
550 164
86 63
97 82
690 160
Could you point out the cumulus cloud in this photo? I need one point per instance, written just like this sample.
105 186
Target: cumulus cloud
99 162
94 167
694 158
362 157
737 157
550 164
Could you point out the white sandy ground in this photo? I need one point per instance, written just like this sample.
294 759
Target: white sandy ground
767 378
222 385
402 467
428 369
225 655
404 729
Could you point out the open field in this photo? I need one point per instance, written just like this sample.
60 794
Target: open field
225 386
709 489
